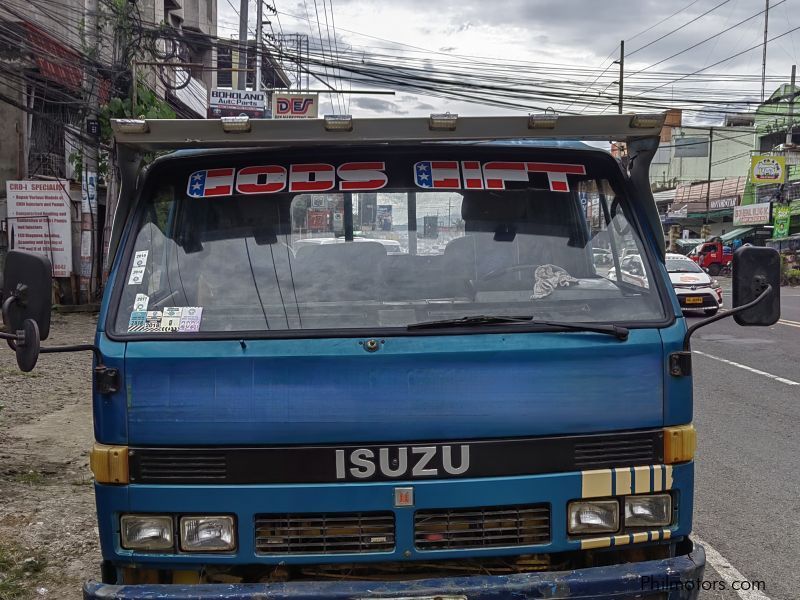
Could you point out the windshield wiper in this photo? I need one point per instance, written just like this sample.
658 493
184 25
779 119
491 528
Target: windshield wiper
617 331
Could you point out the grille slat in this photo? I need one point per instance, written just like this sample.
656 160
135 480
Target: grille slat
631 451
491 526
326 533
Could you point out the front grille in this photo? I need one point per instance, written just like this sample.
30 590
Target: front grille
631 450
325 533
482 527
180 467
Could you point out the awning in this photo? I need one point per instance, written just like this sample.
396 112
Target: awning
736 233
689 242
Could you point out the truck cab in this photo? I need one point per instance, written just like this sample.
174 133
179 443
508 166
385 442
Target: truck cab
444 396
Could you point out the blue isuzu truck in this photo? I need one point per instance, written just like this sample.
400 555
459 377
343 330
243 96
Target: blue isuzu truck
343 358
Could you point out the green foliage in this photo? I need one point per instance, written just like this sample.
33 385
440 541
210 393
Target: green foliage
148 106
18 571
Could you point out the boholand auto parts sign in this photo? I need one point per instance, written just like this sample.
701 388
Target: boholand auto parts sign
751 214
233 103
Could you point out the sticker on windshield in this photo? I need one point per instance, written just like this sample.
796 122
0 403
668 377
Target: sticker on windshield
137 321
170 319
153 321
190 319
141 302
137 276
140 258
493 175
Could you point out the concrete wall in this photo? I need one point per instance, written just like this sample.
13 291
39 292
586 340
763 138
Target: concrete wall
12 127
730 156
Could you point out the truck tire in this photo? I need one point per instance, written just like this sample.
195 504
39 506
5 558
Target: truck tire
713 269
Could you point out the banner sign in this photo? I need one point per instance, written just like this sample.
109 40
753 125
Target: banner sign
234 103
39 220
751 214
767 169
718 203
781 217
295 106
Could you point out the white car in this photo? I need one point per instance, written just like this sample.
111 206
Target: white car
695 289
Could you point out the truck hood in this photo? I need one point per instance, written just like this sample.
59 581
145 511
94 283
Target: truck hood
444 387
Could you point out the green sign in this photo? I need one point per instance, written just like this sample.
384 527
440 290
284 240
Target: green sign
781 216
794 207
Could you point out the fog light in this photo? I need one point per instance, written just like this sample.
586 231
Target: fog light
207 534
238 124
648 121
599 516
338 122
146 532
442 122
543 121
648 511
132 125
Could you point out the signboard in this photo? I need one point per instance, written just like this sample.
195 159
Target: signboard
767 169
794 208
295 106
681 212
751 214
233 103
39 220
718 203
781 217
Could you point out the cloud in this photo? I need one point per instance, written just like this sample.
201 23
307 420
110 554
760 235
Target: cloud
378 105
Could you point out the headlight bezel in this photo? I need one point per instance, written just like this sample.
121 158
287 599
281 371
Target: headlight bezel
127 543
584 530
631 523
184 520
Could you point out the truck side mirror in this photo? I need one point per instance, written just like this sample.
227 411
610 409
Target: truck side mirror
755 268
27 288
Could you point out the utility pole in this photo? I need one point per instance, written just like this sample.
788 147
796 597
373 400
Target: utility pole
764 57
91 89
708 183
259 33
621 72
791 108
241 82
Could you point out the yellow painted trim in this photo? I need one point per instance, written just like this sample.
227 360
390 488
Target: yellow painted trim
641 480
680 443
186 577
603 542
621 540
657 477
109 464
640 536
655 535
667 534
622 479
596 484
668 478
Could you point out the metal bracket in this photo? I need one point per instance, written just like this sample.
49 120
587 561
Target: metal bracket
680 364
106 379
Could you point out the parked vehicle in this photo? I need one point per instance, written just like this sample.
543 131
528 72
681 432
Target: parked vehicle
695 289
712 256
501 419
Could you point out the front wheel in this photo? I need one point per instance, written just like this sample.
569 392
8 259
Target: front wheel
713 269
710 312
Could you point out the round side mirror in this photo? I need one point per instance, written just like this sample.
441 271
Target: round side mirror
27 345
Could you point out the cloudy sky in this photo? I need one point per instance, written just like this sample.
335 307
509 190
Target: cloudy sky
526 55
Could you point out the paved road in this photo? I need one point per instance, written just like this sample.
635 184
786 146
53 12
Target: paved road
747 502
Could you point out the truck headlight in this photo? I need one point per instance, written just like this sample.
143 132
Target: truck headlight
648 511
146 532
597 516
207 534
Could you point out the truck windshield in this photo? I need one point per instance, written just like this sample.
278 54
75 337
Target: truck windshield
255 247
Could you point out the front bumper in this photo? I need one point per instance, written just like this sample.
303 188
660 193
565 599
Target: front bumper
674 578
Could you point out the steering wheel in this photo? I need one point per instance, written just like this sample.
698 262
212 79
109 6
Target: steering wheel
503 270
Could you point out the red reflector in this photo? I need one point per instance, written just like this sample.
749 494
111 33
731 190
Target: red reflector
434 537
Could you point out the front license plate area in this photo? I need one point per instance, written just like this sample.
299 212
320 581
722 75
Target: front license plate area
694 300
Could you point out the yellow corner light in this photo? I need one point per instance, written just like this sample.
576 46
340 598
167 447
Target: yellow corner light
543 121
109 464
338 122
648 121
239 124
442 122
132 125
679 443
